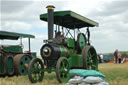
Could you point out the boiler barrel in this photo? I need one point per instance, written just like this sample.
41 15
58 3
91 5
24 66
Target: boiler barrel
52 51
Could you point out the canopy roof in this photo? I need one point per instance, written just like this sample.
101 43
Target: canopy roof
14 35
70 20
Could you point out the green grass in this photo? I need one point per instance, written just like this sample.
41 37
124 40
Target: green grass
49 79
116 74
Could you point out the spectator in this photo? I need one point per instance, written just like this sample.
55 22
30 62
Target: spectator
116 55
124 60
99 58
119 57
102 58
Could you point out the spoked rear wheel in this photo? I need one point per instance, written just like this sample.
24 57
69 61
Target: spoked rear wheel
36 70
62 70
90 60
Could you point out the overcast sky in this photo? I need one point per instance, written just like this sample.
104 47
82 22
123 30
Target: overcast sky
112 15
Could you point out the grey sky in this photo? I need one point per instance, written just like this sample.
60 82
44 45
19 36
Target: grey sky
23 16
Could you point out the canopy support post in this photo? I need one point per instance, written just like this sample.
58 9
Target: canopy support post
88 35
29 44
21 41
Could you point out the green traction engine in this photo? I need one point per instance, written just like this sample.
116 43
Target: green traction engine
66 48
13 61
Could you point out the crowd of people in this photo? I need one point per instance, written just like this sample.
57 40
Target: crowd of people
118 58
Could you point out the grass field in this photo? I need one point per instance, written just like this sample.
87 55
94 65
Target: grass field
116 74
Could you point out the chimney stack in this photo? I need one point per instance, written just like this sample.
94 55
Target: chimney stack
50 19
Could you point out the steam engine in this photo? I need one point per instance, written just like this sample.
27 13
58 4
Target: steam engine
55 47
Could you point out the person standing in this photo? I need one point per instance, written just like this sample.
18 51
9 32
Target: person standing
102 58
99 58
124 59
119 57
116 55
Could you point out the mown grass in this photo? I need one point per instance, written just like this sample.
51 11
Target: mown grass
116 74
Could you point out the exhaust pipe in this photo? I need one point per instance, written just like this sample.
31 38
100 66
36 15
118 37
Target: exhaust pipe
50 10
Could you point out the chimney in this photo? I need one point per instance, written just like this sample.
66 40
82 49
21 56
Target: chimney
50 10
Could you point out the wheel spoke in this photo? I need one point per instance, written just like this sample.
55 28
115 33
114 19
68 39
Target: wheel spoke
67 67
63 75
63 64
89 54
93 66
61 69
93 54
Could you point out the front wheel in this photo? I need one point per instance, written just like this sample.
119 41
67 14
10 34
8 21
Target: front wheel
62 70
36 70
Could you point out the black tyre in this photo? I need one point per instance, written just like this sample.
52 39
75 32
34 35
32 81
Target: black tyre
36 70
62 70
